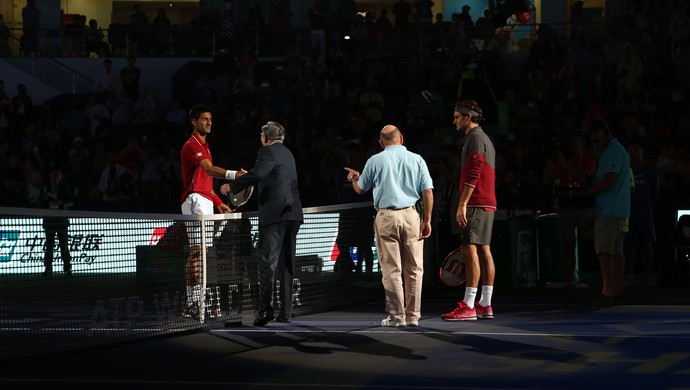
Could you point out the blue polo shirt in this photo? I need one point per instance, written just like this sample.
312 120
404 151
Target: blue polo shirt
616 200
397 177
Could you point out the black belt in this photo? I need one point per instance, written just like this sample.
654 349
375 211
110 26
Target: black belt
394 208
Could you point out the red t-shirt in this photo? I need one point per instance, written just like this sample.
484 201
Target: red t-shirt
566 184
195 179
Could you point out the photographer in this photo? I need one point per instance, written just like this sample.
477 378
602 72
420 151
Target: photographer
570 172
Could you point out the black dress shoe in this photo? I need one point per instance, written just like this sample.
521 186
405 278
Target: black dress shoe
605 301
263 317
283 320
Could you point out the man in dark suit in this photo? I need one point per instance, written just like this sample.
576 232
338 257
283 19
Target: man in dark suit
280 216
56 196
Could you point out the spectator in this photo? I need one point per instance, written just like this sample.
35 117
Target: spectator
120 105
79 150
97 115
31 27
630 70
72 36
466 19
424 12
485 30
202 29
383 22
153 169
114 179
93 38
402 11
138 26
176 115
36 186
373 104
52 149
107 81
568 171
130 77
22 105
144 108
5 108
641 237
78 180
4 38
161 27
131 155
226 34
14 184
317 15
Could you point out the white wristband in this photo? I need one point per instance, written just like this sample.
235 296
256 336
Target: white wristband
230 175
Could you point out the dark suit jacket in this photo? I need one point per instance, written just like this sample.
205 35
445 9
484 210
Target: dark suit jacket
275 173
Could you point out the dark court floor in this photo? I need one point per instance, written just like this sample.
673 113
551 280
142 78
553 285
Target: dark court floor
540 339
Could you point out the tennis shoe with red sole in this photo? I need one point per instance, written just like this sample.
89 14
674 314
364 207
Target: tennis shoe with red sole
484 312
461 313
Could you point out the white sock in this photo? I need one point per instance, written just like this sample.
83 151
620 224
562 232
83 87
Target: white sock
487 292
470 295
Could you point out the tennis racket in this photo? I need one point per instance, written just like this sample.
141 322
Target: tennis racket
242 197
452 271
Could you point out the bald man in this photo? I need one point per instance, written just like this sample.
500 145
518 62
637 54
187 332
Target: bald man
399 179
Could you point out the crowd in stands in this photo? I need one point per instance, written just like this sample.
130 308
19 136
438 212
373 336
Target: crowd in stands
119 149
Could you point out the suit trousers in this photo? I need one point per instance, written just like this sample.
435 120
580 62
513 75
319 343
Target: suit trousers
401 254
276 252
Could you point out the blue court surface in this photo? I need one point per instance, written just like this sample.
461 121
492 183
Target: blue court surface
540 339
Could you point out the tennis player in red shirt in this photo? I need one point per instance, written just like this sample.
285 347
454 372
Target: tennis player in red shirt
198 198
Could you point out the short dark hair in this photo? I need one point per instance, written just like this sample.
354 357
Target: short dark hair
197 110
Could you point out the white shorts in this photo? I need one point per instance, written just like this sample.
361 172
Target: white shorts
196 204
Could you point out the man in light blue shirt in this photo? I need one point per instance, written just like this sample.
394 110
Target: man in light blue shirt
611 192
399 178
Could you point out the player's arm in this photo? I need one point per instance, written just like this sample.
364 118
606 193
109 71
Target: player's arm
461 214
222 208
219 172
608 182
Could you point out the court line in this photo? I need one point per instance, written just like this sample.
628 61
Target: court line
450 332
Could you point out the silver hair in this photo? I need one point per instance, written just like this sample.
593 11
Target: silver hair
273 131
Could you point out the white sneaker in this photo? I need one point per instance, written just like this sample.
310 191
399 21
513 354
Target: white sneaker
389 322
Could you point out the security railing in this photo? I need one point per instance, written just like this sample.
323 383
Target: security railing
47 69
